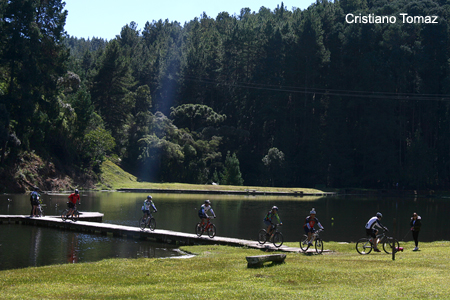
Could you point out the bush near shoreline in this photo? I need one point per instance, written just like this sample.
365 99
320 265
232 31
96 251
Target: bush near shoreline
220 272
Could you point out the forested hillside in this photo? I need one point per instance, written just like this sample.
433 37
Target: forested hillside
282 97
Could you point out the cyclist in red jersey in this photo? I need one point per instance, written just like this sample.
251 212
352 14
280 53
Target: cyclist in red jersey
73 198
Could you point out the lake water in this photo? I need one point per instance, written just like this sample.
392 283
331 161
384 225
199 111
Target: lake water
238 216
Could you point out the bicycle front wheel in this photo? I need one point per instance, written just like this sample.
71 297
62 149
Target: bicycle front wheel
212 230
304 243
319 246
390 244
277 239
364 246
64 214
198 229
152 224
262 236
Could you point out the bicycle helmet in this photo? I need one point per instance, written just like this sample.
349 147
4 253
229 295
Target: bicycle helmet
274 208
207 202
76 191
379 215
312 212
149 197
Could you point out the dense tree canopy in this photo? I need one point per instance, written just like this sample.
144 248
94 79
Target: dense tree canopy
284 97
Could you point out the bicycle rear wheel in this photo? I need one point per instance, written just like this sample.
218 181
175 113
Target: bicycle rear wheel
364 246
277 239
75 216
64 214
212 230
390 244
304 243
142 223
152 224
262 236
198 229
319 246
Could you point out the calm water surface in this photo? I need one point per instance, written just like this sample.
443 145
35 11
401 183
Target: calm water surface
238 216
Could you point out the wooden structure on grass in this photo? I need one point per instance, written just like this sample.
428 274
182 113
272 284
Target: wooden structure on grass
259 260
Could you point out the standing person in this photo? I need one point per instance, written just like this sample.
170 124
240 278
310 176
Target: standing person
273 213
370 229
34 200
202 213
146 207
73 198
310 221
416 223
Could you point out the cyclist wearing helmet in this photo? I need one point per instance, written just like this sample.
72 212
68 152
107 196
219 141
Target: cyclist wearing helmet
370 229
310 221
202 213
273 213
73 198
146 207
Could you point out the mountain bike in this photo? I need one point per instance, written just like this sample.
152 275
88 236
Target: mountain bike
315 238
365 245
147 221
74 216
276 237
209 227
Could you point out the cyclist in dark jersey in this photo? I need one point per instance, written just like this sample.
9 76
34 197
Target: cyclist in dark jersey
310 221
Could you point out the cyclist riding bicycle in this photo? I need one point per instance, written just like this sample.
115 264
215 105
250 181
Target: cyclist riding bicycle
73 198
310 221
202 213
370 229
146 207
273 213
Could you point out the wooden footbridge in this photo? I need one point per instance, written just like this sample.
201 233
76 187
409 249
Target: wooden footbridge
91 222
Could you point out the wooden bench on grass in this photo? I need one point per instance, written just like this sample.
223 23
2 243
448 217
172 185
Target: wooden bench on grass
259 260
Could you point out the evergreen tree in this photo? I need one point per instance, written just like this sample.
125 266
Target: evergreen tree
232 173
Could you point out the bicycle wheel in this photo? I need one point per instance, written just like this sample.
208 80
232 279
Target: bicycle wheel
41 213
389 244
277 239
319 246
304 243
64 214
262 236
364 246
152 224
212 230
75 216
198 229
142 223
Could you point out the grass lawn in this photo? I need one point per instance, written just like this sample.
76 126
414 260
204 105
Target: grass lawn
113 177
220 272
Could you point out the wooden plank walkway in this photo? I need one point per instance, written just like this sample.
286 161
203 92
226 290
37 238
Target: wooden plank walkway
159 235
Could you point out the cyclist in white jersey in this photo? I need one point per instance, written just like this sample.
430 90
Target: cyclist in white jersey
204 209
370 229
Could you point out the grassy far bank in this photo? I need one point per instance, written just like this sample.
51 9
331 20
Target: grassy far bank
113 177
220 272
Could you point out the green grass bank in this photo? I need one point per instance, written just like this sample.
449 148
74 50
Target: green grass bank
220 272
113 177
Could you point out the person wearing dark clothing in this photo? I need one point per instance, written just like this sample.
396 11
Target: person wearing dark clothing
416 223
34 200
